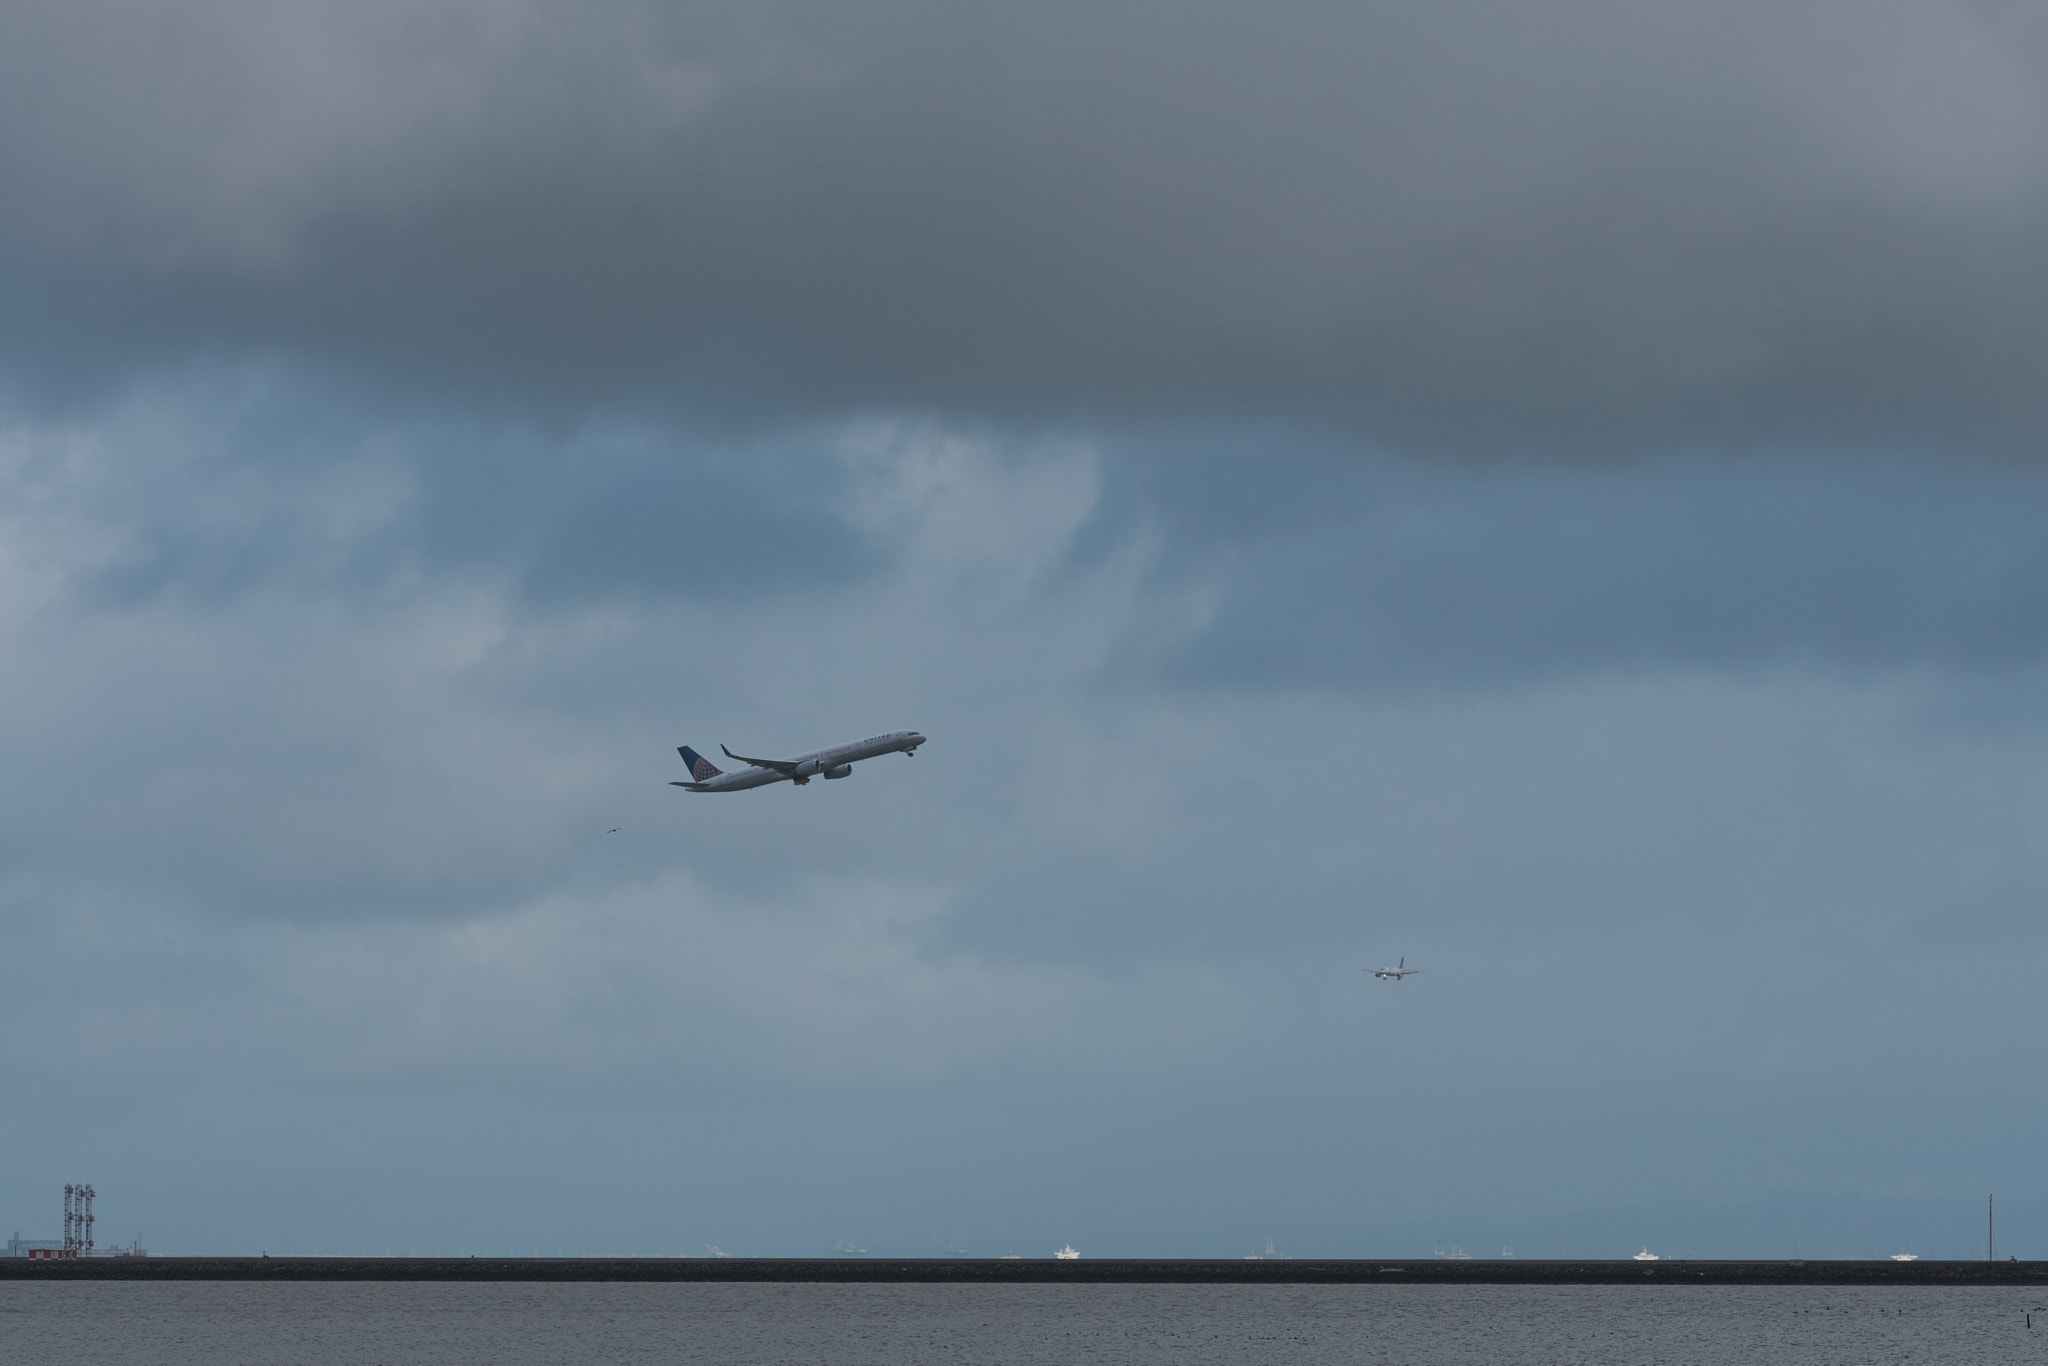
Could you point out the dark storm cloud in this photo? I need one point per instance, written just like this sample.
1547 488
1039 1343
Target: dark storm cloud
1509 229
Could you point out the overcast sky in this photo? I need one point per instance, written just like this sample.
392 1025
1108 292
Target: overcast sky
1552 492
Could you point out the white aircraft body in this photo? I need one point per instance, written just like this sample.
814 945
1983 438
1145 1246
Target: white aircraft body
836 762
1397 973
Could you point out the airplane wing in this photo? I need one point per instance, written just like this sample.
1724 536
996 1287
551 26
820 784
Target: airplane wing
782 766
694 787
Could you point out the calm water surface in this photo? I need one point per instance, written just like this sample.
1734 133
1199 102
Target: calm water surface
226 1324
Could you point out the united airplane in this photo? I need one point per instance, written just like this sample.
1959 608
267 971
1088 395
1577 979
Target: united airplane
836 762
1397 973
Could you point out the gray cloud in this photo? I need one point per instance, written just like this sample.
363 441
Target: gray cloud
1573 226
314 847
1335 572
425 613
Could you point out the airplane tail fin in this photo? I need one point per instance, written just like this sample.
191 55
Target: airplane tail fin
702 770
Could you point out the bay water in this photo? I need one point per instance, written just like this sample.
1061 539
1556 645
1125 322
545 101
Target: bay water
109 1323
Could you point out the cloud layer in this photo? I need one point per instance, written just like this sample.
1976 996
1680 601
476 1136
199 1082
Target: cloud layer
1569 229
315 776
1546 492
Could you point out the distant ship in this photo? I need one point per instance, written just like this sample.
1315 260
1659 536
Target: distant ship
1647 1256
1067 1254
1905 1256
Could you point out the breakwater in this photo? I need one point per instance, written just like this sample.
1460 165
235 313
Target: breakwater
967 1270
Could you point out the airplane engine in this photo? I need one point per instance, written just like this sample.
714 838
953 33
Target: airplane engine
842 771
804 769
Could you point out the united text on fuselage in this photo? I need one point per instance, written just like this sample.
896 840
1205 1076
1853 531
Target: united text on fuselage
836 762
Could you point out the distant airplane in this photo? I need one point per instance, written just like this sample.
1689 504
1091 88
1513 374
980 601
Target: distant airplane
836 762
1397 973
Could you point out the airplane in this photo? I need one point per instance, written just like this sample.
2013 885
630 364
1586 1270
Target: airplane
836 762
1397 973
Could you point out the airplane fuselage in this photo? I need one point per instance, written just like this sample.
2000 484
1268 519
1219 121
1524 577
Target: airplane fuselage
835 762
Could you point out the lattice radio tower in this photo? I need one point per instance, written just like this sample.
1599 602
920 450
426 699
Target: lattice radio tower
77 1219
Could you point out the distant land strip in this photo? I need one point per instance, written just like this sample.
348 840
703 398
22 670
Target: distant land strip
1046 1271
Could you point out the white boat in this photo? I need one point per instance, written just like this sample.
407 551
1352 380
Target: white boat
1067 1254
1647 1256
1905 1256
